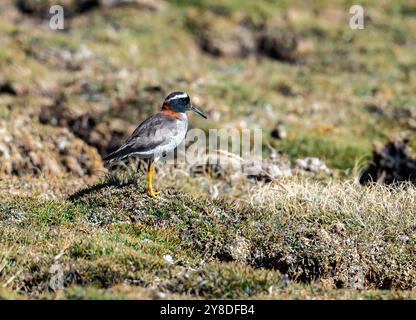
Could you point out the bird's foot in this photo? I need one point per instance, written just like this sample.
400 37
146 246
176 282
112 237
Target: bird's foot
152 193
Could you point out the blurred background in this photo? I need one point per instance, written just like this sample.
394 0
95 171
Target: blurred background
296 69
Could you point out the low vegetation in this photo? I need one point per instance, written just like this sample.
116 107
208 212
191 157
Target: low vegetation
69 229
310 237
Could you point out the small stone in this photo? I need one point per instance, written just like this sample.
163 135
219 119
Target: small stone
279 132
168 258
239 249
339 227
311 164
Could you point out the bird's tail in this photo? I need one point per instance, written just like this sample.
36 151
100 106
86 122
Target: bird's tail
119 154
109 157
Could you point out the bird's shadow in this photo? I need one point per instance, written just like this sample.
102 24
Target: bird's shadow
112 181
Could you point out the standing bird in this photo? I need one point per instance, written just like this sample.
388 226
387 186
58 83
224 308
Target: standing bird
158 135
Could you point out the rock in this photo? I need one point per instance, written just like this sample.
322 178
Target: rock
311 164
277 169
224 38
242 37
278 166
27 149
390 164
168 258
105 135
277 40
279 131
239 249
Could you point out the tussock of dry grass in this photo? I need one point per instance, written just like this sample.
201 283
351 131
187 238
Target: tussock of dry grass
355 236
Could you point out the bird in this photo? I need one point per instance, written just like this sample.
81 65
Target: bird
158 134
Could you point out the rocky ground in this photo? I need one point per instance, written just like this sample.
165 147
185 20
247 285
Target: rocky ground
328 99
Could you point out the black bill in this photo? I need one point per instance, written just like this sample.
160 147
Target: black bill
198 111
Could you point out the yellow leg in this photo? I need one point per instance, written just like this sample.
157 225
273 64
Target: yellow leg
150 179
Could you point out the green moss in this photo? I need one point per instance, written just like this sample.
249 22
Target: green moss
339 152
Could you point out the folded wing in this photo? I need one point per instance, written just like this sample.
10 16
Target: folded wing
152 133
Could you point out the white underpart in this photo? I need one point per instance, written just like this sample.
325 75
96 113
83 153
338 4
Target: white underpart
173 141
178 96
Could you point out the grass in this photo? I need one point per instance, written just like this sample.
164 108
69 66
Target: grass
207 236
340 237
340 152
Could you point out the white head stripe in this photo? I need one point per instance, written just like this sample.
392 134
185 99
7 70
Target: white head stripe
178 96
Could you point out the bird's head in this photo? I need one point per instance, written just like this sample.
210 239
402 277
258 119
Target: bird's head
180 102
